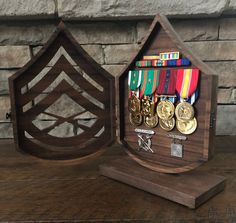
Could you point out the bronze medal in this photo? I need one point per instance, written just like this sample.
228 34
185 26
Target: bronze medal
165 110
148 107
186 127
184 111
151 121
134 104
167 125
135 119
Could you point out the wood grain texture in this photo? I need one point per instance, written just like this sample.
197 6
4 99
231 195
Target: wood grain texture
190 189
199 146
42 144
34 190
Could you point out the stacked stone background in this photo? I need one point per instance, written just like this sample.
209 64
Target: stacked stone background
111 32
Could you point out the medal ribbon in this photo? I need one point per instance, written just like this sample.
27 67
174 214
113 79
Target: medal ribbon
134 79
191 100
163 63
187 81
167 82
150 80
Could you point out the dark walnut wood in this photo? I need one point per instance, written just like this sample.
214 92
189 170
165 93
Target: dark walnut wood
199 146
62 72
190 189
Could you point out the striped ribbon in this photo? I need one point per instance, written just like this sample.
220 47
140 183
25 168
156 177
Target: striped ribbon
136 93
167 82
151 57
149 82
171 99
169 55
163 63
191 99
187 81
134 79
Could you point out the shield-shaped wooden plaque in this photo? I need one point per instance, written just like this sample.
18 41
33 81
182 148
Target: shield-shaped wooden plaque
62 102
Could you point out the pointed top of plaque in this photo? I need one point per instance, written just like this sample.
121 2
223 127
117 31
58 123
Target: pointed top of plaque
159 25
59 99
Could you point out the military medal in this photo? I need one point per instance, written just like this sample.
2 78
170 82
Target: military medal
165 110
150 79
186 85
135 119
167 125
134 104
186 127
184 111
151 121
166 88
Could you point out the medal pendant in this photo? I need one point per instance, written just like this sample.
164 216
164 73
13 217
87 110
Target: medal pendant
167 125
134 104
184 111
165 110
186 127
135 119
148 107
151 121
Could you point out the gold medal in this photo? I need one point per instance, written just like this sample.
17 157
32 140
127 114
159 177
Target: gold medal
186 127
148 107
184 111
151 121
135 119
165 110
167 125
134 104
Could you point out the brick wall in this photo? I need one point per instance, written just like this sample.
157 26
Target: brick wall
112 44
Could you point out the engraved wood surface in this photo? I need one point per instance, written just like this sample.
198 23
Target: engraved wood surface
62 89
198 147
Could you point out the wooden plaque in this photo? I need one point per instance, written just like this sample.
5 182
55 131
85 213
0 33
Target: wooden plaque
62 102
198 147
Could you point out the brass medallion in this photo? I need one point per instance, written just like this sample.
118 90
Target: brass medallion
165 110
148 107
187 127
134 104
135 119
184 111
151 121
167 125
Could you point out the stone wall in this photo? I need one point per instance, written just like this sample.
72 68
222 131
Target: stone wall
111 35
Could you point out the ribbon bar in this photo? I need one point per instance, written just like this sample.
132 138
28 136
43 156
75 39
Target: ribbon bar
163 63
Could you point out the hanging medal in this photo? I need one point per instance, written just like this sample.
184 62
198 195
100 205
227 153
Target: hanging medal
134 104
149 84
186 86
166 90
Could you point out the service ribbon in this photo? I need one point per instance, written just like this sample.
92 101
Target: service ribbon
150 80
167 82
191 99
134 79
187 81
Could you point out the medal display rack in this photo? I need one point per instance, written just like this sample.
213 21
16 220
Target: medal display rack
63 108
182 139
58 102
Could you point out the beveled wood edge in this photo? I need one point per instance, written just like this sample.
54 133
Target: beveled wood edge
62 28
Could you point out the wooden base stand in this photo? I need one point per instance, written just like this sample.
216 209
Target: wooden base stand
190 189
